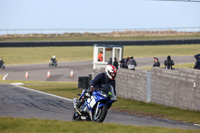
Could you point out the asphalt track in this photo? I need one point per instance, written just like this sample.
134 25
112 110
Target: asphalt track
22 102
38 72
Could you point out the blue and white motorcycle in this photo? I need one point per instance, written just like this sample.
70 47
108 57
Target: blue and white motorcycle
95 107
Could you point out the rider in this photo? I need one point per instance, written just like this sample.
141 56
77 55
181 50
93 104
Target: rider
1 62
53 59
107 77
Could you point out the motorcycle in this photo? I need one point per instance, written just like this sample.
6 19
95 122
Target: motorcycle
53 63
2 66
95 107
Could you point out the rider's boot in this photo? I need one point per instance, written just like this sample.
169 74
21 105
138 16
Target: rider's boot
85 94
81 99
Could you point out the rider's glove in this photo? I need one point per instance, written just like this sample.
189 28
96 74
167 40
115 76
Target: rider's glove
91 88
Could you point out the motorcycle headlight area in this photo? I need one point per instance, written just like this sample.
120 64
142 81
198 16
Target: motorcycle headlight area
104 94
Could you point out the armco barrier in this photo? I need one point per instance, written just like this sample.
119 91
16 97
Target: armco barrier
176 88
91 43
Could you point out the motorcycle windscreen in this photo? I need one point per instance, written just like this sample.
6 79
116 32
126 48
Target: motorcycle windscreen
108 89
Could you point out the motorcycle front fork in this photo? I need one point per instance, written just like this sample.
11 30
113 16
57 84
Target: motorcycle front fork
96 111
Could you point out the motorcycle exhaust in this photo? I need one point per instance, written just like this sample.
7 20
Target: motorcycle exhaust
75 103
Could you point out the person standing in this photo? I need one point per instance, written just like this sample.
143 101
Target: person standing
156 62
131 63
122 63
110 61
100 56
115 63
168 63
197 63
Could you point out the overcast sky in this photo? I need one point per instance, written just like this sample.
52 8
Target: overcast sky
97 14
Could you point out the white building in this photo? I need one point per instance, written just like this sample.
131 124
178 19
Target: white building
108 52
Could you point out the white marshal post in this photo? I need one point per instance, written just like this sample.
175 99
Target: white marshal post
103 53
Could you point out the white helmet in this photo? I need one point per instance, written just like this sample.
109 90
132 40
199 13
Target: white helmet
54 56
110 69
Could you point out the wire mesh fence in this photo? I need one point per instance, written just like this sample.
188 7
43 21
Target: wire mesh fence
99 32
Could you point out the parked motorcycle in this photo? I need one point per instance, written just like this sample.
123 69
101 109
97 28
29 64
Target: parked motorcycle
95 107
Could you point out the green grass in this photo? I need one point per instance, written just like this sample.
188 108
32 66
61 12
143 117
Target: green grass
64 89
21 125
69 90
43 54
182 65
96 38
161 50
155 110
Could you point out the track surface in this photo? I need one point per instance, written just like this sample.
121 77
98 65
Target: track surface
20 102
38 72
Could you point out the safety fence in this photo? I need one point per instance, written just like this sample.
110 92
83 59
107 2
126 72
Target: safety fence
4 33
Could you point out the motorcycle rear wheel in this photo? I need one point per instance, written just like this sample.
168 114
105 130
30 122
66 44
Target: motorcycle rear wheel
75 117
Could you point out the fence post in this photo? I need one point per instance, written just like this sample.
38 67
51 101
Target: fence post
23 33
40 33
14 32
199 31
31 33
6 33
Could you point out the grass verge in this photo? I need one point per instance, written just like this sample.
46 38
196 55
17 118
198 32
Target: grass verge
182 65
21 125
32 55
69 90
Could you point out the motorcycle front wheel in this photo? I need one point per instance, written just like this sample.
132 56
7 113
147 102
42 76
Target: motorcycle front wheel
101 114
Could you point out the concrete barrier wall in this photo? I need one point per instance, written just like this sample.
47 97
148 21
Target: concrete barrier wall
177 88
132 84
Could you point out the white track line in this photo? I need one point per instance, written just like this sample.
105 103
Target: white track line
4 77
43 93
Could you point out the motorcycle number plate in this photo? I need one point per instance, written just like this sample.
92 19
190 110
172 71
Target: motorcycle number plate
88 100
93 102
